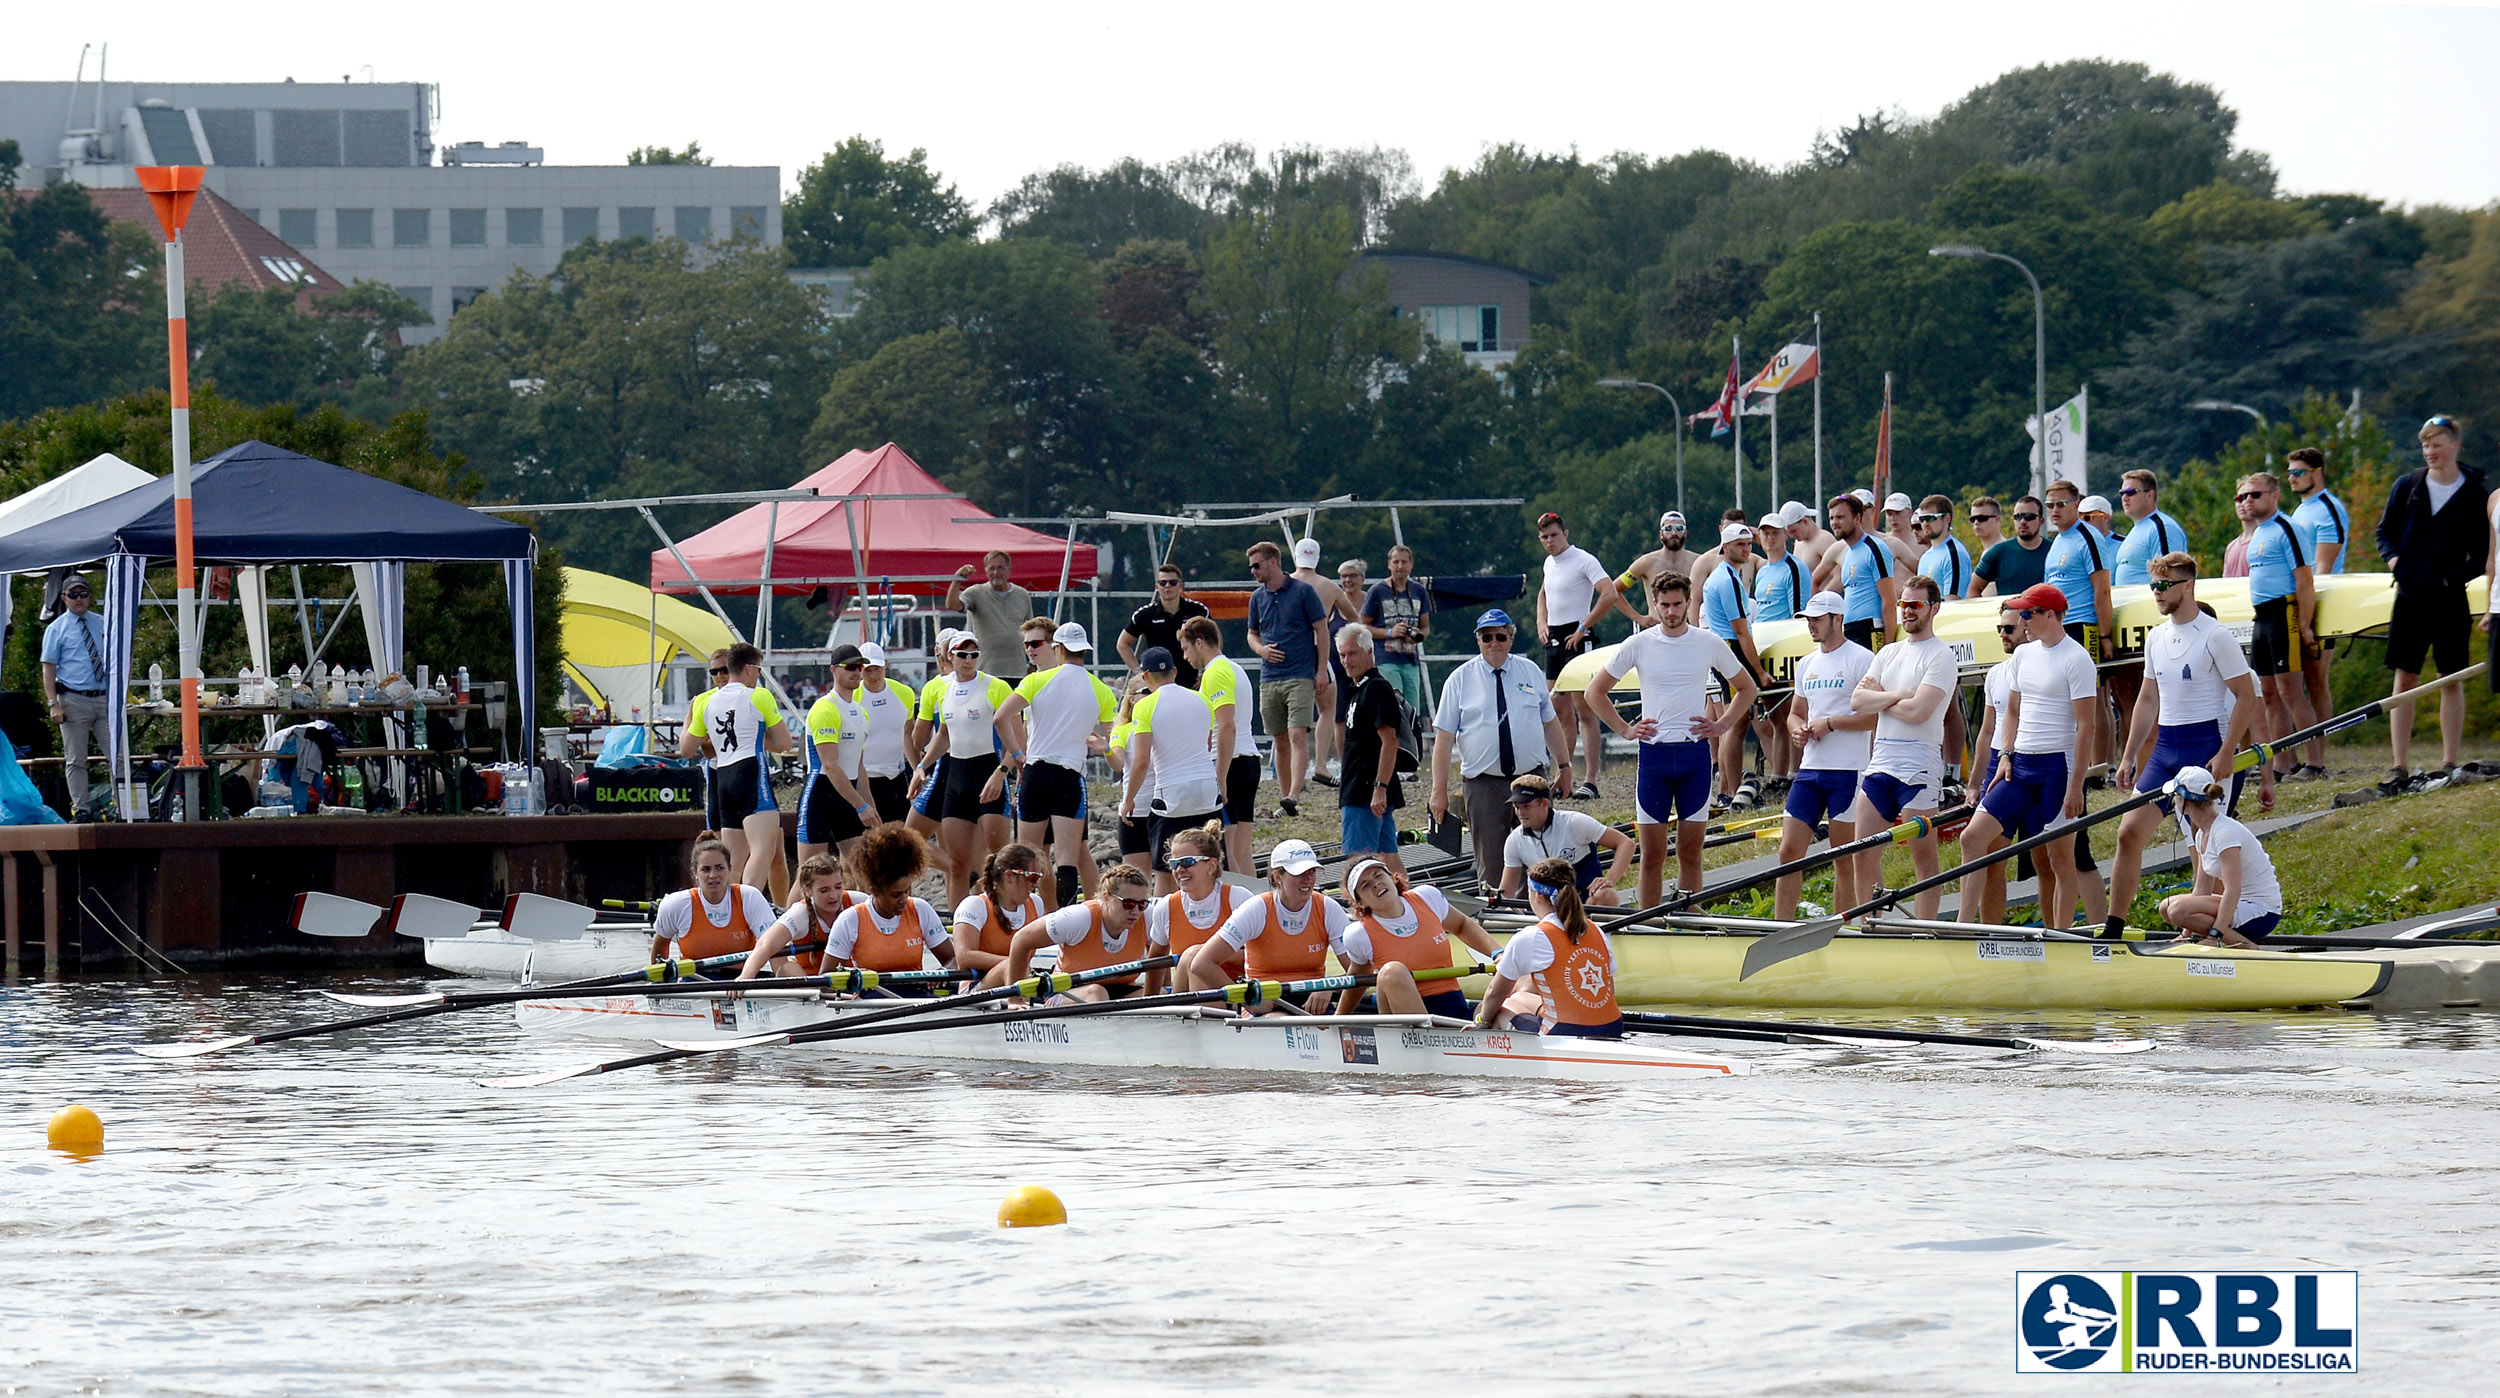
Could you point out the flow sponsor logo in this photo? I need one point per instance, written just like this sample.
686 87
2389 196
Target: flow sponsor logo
2187 1322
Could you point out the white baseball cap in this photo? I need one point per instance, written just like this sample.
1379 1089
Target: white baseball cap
1732 533
1896 501
1071 636
958 639
1293 857
1776 519
1827 604
873 653
1672 519
2094 505
2194 783
1306 554
1863 496
1794 511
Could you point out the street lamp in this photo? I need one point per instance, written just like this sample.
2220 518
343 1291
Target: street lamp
2216 405
1672 406
2039 354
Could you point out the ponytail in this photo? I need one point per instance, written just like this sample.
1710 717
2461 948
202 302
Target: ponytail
704 843
1559 882
1015 856
1207 839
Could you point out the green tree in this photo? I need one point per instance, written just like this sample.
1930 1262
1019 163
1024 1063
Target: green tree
2129 139
662 155
925 392
855 206
2220 213
1096 211
77 296
268 346
2456 306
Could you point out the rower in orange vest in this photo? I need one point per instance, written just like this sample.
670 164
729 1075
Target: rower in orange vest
715 917
892 931
1397 933
1281 935
822 898
1564 959
1187 919
1104 930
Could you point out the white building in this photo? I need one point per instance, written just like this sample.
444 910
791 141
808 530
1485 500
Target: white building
349 173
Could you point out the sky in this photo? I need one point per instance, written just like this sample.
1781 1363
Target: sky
2359 97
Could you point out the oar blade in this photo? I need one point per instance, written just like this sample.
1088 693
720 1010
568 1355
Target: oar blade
2091 1046
539 918
197 1050
329 915
555 1075
424 915
1801 940
383 1002
725 1045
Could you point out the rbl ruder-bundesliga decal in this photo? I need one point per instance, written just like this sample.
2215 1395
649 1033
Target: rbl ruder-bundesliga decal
2187 1322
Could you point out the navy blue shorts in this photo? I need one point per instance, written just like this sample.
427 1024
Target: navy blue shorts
824 819
1674 783
2256 927
1888 796
736 792
1590 871
1449 1004
2177 745
2033 798
1822 793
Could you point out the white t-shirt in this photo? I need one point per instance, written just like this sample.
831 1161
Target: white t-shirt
1572 578
2257 881
889 715
1529 953
1914 665
1569 837
675 916
1356 949
799 919
844 938
2050 678
2440 494
2194 664
1182 730
1249 921
966 708
1825 680
1073 923
973 914
1203 914
1675 676
1064 704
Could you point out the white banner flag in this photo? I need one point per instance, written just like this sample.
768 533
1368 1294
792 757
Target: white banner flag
2069 431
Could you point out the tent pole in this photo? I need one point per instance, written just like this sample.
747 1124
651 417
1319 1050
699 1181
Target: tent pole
651 680
764 594
704 590
1067 563
303 618
1397 532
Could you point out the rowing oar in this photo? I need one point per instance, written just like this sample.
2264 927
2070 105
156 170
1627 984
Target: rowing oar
630 905
1901 834
1750 1027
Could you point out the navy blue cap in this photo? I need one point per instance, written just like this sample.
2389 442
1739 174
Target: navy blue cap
1156 661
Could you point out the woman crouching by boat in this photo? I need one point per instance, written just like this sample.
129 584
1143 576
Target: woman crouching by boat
2236 897
1104 930
805 925
1569 964
1189 917
892 931
1006 897
1397 933
715 917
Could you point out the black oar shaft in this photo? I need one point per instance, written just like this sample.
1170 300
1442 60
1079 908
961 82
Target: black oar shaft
1906 1036
1910 829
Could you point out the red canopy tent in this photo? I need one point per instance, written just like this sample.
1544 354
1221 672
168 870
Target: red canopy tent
909 545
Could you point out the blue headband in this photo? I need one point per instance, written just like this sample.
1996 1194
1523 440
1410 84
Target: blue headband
1548 889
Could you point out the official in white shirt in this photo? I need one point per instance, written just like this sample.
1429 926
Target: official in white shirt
1498 716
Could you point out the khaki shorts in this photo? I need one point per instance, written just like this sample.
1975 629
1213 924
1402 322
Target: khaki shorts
1285 704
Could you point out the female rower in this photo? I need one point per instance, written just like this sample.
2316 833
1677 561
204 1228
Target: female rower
1006 895
1137 832
1104 930
1398 933
715 917
2236 897
893 931
1185 920
963 754
1283 934
1564 957
805 924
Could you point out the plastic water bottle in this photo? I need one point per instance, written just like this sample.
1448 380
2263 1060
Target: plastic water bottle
156 683
272 792
460 686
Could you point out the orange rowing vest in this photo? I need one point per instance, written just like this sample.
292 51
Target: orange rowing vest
1427 948
1579 988
1277 955
1096 950
1187 936
995 933
704 937
812 963
902 949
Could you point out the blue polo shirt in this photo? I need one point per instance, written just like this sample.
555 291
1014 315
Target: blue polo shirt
64 649
2275 547
1868 563
1283 618
1723 602
2152 536
1949 563
1778 589
2074 556
2326 521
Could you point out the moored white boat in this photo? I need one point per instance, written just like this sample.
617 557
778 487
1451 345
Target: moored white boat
488 952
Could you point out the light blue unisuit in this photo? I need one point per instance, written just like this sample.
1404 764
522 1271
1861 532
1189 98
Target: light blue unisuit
2152 536
2074 556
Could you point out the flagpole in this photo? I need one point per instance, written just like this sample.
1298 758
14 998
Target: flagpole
1820 369
1737 355
1775 448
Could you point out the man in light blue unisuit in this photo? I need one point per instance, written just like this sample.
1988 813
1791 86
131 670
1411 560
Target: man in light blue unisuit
2282 591
2153 533
1947 560
2078 565
2330 535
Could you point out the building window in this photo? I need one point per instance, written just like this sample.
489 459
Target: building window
412 228
299 226
747 221
461 296
355 228
1470 329
423 296
580 226
468 228
524 228
637 223
694 225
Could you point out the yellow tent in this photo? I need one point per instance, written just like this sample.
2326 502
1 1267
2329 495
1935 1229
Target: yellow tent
617 634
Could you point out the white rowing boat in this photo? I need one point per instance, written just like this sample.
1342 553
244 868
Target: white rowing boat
488 952
1182 1037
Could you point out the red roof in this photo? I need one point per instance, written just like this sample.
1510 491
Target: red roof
904 540
220 246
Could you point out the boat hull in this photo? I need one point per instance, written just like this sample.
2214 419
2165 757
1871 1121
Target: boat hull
490 953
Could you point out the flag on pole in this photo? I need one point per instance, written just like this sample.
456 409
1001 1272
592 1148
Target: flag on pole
1792 366
1883 445
1721 415
2070 430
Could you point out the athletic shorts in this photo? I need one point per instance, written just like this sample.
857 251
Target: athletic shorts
1558 655
965 776
1137 833
1722 691
2177 745
1822 793
1167 826
1361 832
1241 789
2250 922
2086 634
824 817
1288 704
2274 647
1674 783
1590 871
891 796
736 792
2429 623
1449 1004
1888 796
1862 632
926 803
1050 791
2033 798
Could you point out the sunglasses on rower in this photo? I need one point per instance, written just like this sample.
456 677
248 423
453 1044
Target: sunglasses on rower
1983 519
1183 863
720 670
2007 628
1928 519
2162 585
2247 495
2026 514
1135 905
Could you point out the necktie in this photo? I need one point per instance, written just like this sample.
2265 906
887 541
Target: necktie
1501 724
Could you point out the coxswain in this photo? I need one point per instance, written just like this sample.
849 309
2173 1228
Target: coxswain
1104 930
892 931
716 917
1281 935
809 919
1006 897
2236 897
1547 831
1184 919
1564 961
1399 932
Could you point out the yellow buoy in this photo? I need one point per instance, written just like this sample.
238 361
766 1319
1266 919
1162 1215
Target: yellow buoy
77 1130
1031 1207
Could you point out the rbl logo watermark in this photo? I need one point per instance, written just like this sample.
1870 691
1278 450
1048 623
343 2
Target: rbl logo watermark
2187 1322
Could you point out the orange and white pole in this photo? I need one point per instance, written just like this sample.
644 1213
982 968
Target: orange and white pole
171 189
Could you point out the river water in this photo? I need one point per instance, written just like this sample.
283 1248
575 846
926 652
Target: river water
356 1215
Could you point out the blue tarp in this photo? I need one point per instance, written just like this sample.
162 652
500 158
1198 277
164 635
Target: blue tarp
19 805
256 503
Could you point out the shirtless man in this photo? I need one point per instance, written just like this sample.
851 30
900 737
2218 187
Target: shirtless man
1710 561
1901 533
1671 556
1808 541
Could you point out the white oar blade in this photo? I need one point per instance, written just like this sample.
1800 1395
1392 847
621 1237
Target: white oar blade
578 1070
423 915
1803 939
382 1002
725 1045
543 919
199 1050
329 915
2098 1046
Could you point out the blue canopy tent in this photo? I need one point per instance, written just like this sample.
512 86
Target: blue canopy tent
255 504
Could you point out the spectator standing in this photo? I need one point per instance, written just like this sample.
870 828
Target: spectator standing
1368 793
2152 535
1158 623
2011 567
2434 537
1330 695
1573 599
996 610
1398 610
1500 722
73 685
1288 627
